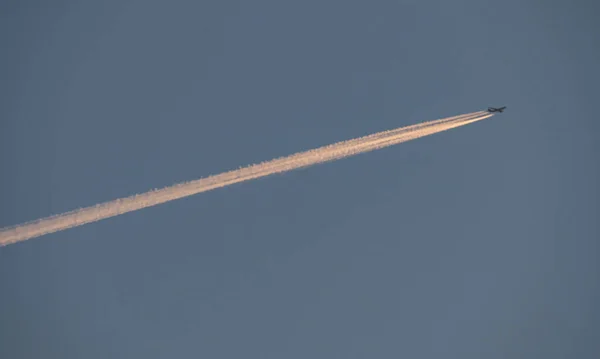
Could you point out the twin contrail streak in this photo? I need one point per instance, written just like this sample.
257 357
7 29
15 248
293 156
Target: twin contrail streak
323 154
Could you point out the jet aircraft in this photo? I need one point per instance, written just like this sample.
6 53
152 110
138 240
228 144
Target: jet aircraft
494 109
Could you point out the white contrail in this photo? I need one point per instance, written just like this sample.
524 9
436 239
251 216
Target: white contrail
323 154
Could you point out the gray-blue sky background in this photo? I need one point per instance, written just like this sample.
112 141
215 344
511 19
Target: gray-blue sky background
477 242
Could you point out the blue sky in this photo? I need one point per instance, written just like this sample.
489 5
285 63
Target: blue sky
477 242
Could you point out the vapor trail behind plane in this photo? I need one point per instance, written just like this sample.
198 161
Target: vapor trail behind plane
323 154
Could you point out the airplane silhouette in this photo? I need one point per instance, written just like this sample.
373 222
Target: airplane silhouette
493 109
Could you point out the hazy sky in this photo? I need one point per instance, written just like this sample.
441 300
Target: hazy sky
480 242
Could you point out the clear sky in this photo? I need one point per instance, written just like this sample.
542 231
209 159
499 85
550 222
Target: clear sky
480 242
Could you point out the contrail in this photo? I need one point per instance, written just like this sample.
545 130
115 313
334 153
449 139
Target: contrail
299 160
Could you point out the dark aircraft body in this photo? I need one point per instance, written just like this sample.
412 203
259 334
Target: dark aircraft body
494 109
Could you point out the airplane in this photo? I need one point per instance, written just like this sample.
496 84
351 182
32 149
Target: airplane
493 109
